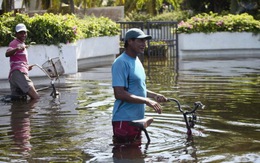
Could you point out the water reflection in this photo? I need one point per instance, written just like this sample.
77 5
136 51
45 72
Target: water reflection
77 126
128 153
21 112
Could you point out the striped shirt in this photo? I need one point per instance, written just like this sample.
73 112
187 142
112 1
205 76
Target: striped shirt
18 61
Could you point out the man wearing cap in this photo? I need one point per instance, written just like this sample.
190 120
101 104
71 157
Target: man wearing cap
129 84
20 83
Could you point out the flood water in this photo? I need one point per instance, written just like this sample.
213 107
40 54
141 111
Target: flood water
76 127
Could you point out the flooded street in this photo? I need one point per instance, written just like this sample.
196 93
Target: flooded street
76 127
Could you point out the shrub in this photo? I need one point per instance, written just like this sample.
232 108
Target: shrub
5 34
96 27
213 22
7 24
56 28
135 16
167 16
53 29
172 16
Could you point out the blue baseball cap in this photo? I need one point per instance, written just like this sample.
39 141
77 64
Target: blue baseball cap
136 33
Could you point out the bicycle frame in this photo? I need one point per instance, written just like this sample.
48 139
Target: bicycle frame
190 123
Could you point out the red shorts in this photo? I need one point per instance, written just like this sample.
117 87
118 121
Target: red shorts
124 132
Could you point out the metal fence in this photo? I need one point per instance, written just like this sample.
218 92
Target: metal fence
164 43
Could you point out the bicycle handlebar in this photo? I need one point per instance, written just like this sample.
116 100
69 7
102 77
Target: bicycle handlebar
197 105
190 122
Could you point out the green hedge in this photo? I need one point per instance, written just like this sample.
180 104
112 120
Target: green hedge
167 16
212 22
55 29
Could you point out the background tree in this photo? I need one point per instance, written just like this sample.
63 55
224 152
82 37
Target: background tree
148 6
200 6
152 7
223 6
8 5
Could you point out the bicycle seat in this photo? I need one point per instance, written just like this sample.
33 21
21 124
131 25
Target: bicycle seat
142 123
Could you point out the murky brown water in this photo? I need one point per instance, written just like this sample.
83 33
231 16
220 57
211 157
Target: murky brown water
77 126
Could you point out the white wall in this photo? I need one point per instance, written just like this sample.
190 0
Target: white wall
96 52
219 44
92 49
39 54
97 46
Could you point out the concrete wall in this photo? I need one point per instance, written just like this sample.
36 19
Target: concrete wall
92 52
39 54
219 44
96 52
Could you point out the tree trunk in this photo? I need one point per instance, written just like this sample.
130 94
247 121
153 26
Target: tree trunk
8 5
233 6
72 9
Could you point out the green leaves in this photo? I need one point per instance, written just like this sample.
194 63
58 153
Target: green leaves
213 22
5 34
56 28
97 27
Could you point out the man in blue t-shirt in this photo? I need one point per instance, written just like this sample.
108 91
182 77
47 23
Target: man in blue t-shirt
128 81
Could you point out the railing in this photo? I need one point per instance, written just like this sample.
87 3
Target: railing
165 39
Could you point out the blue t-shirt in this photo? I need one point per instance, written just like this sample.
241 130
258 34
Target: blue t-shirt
128 72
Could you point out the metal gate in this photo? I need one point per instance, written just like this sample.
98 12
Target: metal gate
164 43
